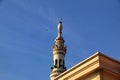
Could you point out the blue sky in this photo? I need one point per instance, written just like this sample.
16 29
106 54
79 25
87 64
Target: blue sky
28 29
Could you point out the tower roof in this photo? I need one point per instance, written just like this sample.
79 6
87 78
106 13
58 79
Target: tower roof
60 27
59 41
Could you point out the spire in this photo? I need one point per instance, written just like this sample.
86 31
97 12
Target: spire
59 41
59 51
60 30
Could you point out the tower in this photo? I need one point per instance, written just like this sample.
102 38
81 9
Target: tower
59 51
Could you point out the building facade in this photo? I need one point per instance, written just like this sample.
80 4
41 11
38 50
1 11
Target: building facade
96 67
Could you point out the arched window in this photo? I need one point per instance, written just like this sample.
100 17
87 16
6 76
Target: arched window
55 63
60 63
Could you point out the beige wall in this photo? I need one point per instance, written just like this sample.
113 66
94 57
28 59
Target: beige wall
110 76
92 76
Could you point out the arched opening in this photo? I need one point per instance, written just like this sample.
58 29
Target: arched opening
60 63
55 63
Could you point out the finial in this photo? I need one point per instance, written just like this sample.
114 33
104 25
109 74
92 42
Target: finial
60 29
60 20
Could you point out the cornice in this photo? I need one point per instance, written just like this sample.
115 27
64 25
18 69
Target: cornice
92 63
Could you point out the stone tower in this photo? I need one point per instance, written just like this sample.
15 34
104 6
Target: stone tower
59 51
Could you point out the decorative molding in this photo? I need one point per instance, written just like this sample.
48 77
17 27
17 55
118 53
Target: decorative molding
96 62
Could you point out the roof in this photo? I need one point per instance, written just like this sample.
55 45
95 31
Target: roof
92 63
